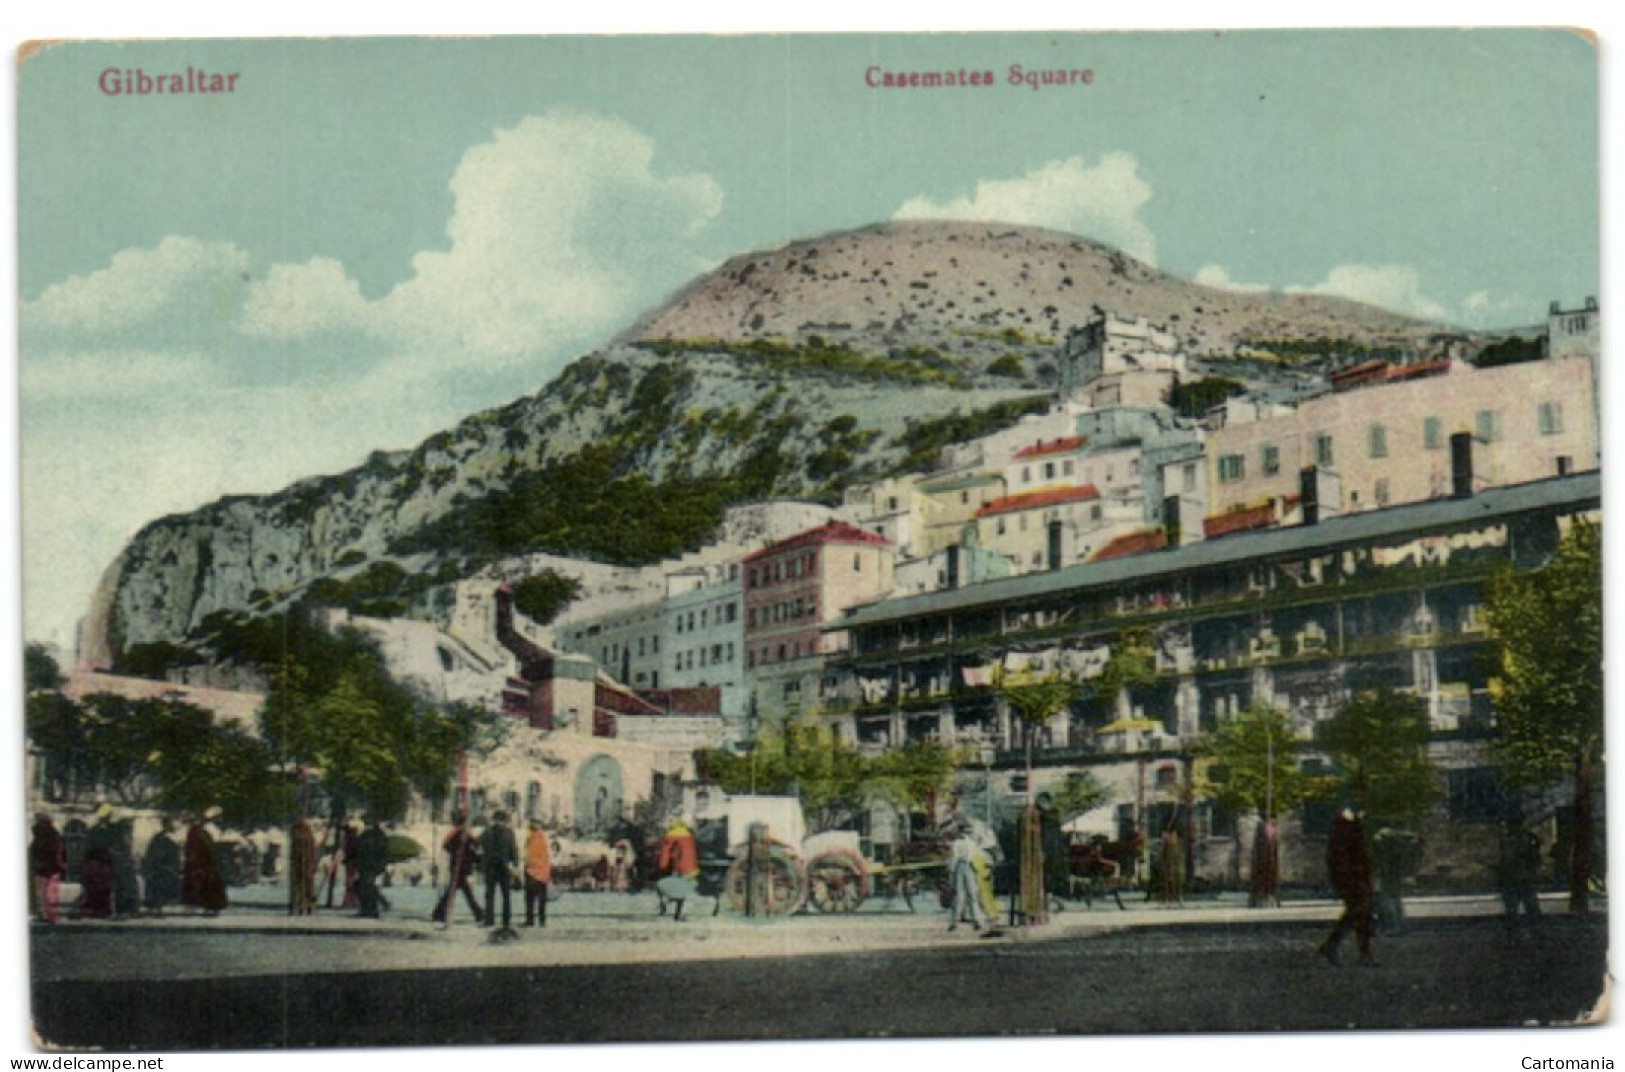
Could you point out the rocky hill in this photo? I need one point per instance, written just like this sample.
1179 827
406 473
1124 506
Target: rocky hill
788 373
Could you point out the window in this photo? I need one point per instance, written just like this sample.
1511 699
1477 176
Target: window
1487 425
1431 440
750 618
1026 474
1094 512
1190 476
857 563
891 503
1271 460
1066 467
1382 491
1049 470
1550 415
1232 467
1377 440
1323 449
1000 526
964 498
731 612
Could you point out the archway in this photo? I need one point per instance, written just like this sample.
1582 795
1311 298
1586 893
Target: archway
599 795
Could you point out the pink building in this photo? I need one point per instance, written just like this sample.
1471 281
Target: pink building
791 589
1386 439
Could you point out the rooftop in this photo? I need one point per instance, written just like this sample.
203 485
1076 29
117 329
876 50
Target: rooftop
829 532
1582 491
1032 500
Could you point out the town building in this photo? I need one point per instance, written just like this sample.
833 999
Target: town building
791 590
1405 435
1300 617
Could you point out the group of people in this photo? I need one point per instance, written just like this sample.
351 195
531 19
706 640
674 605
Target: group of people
364 856
111 883
494 854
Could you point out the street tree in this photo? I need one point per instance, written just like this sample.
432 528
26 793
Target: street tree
1377 744
1251 765
333 710
1548 692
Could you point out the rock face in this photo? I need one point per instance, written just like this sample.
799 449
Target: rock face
801 368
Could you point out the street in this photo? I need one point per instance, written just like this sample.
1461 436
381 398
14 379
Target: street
620 977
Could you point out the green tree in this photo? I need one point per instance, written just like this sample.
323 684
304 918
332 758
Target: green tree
543 596
1251 765
1197 397
333 709
834 781
1547 625
40 671
1035 700
57 732
1378 745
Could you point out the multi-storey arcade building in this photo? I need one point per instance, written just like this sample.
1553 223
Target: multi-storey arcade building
1299 618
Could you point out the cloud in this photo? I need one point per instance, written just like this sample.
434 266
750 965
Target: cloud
174 374
1395 287
1214 275
180 284
1101 202
561 224
297 301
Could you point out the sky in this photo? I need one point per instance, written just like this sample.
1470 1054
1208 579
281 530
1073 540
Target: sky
369 239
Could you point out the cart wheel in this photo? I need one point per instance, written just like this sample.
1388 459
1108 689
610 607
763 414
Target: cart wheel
775 886
837 881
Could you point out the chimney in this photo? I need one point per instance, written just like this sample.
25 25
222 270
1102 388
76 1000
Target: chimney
1461 465
953 565
1309 494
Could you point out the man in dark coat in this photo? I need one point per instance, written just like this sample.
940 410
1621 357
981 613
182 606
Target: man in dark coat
372 856
96 867
161 868
499 854
462 854
1348 862
201 883
47 863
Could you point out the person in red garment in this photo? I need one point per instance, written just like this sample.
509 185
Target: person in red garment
201 884
679 866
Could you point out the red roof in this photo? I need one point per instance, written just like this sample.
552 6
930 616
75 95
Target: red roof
829 532
1248 518
1252 517
1133 543
1054 446
1377 371
1031 500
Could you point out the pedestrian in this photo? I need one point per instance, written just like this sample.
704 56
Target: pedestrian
1171 867
538 874
1518 871
1348 863
499 854
1264 889
201 884
462 855
350 849
679 867
96 867
966 903
161 868
126 884
620 879
1052 840
371 858
47 863
1395 854
301 868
